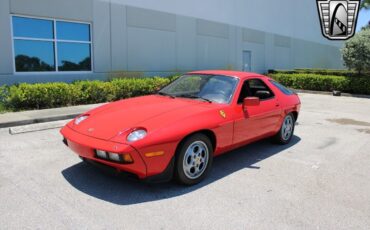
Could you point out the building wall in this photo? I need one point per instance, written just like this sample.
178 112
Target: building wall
166 36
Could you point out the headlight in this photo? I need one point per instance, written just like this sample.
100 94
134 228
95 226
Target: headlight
136 135
80 119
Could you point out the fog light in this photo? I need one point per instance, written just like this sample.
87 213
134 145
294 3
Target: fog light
101 154
115 157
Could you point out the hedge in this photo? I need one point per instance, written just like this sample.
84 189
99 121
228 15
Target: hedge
327 72
52 95
355 85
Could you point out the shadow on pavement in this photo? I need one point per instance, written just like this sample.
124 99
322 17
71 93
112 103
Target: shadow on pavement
93 182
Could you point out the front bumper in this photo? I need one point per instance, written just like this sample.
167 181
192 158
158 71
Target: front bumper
85 147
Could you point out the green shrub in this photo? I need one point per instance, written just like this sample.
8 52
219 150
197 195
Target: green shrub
328 72
37 96
3 93
356 85
52 95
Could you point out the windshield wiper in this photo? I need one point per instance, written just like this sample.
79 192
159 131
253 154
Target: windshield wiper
195 97
166 94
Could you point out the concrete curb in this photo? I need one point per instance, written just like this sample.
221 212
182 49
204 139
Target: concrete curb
38 120
37 127
42 116
331 93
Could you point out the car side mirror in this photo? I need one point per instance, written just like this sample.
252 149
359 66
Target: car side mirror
250 101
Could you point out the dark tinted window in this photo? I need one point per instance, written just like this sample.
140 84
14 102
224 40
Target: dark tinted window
282 88
33 28
37 49
74 56
255 88
73 31
34 56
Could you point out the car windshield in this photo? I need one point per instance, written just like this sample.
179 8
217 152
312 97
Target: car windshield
212 88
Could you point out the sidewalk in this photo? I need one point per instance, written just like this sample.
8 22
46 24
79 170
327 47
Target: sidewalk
40 116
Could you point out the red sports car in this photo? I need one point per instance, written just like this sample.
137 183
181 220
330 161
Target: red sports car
178 131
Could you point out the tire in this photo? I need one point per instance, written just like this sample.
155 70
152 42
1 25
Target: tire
286 131
194 159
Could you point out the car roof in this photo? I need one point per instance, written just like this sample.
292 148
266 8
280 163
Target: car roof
238 74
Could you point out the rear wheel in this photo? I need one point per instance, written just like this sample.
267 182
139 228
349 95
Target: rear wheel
286 131
194 159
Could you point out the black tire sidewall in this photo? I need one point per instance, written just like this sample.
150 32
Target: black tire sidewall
179 171
279 138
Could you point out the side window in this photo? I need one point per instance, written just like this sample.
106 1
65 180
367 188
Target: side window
245 92
282 88
259 89
255 88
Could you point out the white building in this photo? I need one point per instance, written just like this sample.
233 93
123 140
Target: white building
65 40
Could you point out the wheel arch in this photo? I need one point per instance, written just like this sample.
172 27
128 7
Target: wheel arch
179 173
295 114
292 111
209 133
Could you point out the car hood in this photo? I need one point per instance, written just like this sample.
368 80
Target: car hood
110 120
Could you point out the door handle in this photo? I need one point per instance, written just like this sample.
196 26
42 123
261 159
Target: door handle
277 104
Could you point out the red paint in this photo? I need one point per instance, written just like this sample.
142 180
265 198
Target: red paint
168 121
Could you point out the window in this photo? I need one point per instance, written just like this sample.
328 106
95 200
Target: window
46 45
255 88
215 88
282 88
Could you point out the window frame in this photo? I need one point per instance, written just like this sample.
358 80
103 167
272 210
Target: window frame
55 41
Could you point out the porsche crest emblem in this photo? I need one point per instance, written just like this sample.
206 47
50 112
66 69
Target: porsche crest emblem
222 113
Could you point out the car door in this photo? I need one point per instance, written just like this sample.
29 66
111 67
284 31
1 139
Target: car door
253 122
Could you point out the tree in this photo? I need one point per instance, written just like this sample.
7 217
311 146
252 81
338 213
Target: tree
356 52
26 63
365 4
85 65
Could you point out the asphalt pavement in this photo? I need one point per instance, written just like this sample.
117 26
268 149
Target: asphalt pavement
321 180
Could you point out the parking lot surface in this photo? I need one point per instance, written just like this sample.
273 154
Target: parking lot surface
321 180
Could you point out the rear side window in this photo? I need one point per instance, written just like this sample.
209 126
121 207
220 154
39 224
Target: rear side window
282 88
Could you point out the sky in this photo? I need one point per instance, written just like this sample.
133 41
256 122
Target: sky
363 19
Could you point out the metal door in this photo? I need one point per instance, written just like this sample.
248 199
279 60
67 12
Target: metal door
247 61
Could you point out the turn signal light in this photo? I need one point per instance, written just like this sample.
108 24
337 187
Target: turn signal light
154 154
127 158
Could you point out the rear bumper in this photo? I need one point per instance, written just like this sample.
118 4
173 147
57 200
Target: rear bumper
85 147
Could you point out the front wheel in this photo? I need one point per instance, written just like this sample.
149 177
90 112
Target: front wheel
194 159
286 131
